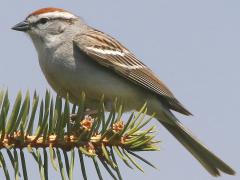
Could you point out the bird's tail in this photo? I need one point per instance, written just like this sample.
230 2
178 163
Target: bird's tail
209 161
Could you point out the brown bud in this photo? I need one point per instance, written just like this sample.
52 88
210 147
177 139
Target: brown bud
118 126
90 148
87 123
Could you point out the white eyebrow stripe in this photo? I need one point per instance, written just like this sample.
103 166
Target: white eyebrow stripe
112 52
52 15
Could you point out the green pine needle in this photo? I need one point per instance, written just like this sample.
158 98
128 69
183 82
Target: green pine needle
53 125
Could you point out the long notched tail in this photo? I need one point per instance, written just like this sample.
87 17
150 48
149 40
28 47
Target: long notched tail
209 161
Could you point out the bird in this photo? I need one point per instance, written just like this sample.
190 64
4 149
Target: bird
75 58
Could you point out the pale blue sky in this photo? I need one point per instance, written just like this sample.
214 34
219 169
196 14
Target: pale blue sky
192 45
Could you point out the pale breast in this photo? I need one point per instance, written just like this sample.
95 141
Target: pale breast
73 73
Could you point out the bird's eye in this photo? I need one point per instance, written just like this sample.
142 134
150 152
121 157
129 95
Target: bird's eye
43 20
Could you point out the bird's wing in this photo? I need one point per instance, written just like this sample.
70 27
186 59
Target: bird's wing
108 52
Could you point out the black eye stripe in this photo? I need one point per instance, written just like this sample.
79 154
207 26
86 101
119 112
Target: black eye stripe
43 20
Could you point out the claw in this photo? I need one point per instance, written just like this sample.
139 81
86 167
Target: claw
87 112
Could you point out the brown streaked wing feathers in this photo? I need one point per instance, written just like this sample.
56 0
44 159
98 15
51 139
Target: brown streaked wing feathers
126 64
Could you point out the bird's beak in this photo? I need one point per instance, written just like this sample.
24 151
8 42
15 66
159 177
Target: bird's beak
22 26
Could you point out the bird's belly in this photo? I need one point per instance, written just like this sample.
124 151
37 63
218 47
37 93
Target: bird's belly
95 81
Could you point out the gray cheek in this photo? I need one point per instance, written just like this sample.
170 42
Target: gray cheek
55 30
61 29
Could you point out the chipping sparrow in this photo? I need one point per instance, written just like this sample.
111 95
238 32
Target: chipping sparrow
75 57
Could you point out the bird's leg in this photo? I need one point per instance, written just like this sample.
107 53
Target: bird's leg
77 121
88 112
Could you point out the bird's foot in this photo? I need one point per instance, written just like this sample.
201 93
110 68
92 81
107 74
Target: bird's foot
88 112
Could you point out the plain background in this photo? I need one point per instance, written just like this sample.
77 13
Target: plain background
192 45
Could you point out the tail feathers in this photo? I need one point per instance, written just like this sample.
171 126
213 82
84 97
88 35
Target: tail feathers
175 105
208 160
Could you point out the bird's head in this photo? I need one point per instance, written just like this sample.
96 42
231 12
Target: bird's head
48 25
